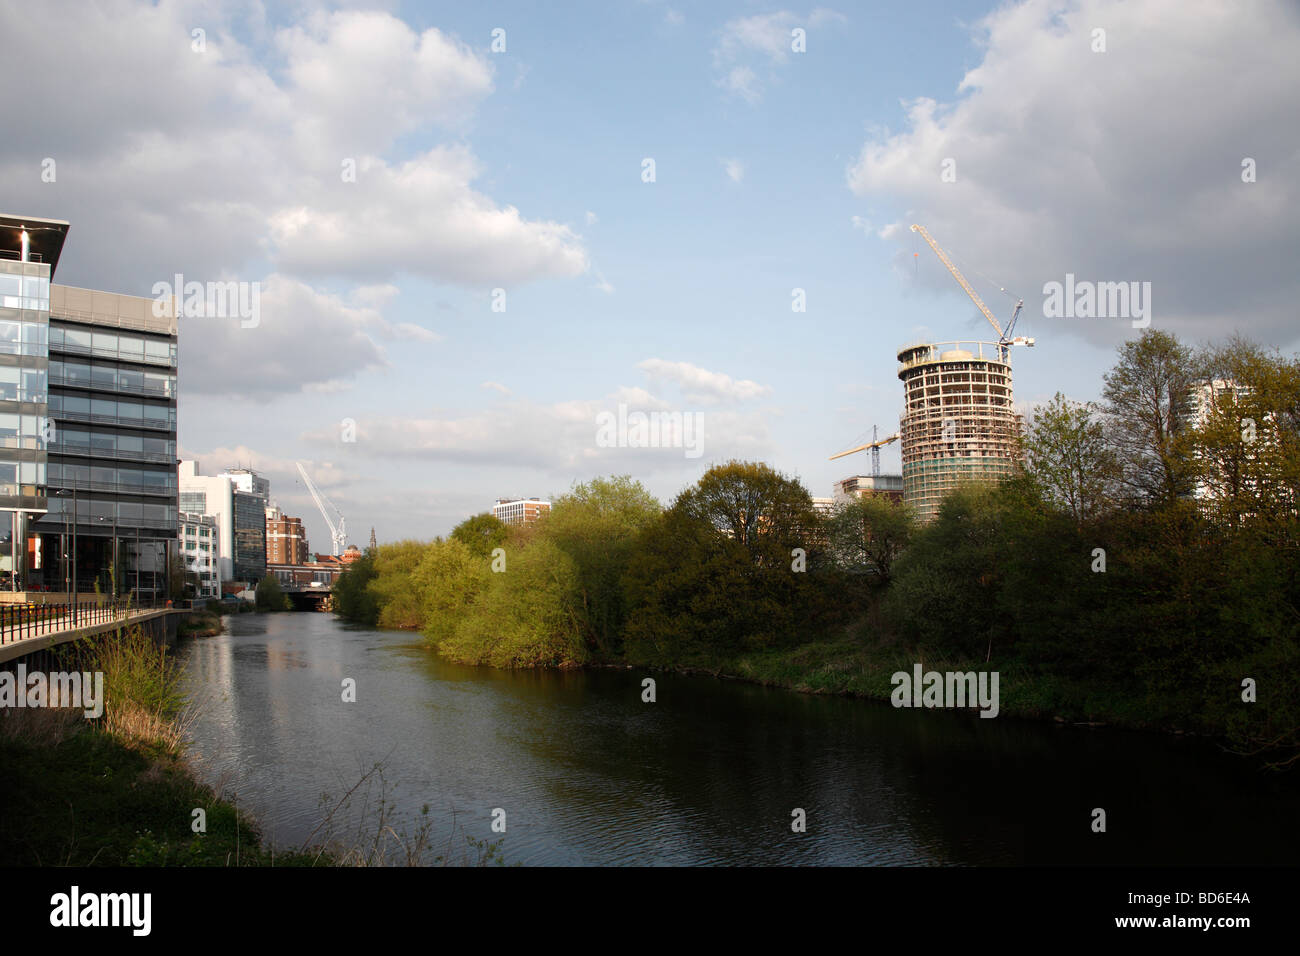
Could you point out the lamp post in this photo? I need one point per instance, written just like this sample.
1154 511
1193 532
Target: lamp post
112 560
70 533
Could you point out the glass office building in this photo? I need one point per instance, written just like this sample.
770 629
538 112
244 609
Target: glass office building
89 429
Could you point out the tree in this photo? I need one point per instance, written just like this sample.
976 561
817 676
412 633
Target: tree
481 533
596 525
757 507
1247 442
270 596
868 532
182 583
719 572
352 598
1147 399
1070 459
394 587
526 616
450 577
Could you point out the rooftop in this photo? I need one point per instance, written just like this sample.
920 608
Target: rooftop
44 237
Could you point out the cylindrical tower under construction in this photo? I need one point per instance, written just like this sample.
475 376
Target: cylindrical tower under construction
958 423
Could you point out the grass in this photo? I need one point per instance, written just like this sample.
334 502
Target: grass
862 666
205 623
118 791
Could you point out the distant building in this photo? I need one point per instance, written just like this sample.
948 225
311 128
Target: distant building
855 486
249 482
200 549
824 506
520 511
213 496
1202 400
286 541
249 551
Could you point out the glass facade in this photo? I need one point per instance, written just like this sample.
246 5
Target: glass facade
24 374
112 451
250 537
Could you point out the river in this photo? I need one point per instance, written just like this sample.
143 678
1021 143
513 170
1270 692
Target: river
710 773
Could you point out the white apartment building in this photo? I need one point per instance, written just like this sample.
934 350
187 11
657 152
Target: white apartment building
215 497
199 546
520 510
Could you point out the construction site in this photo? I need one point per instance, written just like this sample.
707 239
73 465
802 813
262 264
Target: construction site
958 424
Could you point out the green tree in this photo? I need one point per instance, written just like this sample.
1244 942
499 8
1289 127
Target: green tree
450 577
481 533
1147 399
868 532
526 616
596 525
270 595
719 572
1068 456
352 598
394 588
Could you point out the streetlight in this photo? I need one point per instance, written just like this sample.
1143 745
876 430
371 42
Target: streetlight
72 520
112 561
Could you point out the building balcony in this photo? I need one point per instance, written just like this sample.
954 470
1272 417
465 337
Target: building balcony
91 418
86 450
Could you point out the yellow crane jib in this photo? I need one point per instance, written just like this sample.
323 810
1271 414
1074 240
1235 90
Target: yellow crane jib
961 279
872 444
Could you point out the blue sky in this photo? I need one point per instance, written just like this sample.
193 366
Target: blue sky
775 170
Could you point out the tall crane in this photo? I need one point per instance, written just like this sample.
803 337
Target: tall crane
1004 336
874 445
338 533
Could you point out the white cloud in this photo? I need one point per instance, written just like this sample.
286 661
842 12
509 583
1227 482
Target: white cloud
591 218
735 169
1116 166
496 386
356 79
743 82
700 385
303 338
765 39
232 160
557 438
422 217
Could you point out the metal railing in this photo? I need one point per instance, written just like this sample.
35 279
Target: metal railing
141 358
19 622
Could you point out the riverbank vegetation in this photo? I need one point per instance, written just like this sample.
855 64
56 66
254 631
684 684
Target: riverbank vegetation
116 790
119 789
1142 569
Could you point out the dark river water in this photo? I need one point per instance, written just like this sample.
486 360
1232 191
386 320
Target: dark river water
708 774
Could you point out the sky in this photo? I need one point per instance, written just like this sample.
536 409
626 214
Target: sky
475 230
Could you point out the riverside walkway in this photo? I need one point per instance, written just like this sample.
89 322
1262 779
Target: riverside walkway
26 628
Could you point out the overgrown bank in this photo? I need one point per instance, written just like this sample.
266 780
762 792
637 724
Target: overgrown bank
1143 570
117 790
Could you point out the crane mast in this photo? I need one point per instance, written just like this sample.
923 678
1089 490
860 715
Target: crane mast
1004 337
338 533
